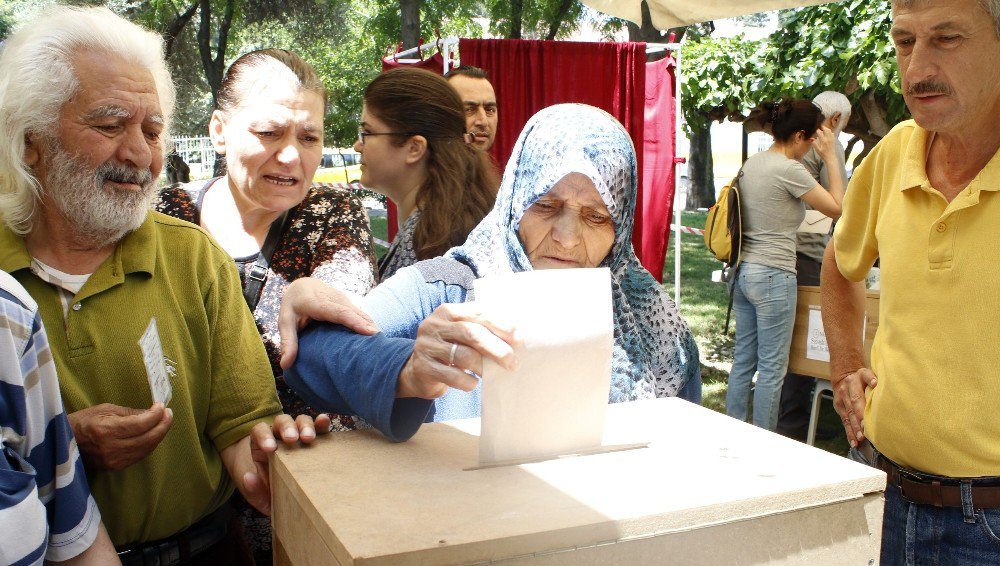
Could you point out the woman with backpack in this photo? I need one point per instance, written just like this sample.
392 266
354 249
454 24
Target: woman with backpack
773 187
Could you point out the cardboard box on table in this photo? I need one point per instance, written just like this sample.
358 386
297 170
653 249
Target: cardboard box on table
799 359
707 489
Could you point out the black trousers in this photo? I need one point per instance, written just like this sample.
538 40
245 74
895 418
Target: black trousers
796 392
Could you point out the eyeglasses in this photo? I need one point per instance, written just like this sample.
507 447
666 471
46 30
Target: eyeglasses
363 134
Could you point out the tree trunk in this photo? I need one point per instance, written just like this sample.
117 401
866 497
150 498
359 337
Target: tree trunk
646 32
875 114
205 46
214 64
516 18
175 27
701 149
564 6
700 170
649 34
850 146
409 14
861 126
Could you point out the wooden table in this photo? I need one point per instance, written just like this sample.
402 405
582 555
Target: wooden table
707 489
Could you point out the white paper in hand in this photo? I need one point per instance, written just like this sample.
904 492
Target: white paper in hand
555 403
156 366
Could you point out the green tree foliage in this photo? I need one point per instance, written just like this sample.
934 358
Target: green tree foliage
534 19
842 46
349 62
204 36
372 28
343 39
6 22
717 78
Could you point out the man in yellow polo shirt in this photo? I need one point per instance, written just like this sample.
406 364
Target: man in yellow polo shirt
926 201
164 377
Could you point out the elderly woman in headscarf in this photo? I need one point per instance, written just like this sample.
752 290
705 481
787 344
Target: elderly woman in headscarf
566 200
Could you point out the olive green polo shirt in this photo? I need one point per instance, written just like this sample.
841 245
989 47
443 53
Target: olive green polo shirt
222 385
936 407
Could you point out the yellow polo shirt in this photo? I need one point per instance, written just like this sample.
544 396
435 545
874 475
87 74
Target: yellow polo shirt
936 407
222 382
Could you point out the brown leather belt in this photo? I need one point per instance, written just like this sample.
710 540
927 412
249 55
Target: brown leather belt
926 489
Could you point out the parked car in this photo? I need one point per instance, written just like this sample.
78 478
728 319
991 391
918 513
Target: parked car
339 165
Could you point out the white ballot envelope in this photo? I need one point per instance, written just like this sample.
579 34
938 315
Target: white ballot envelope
815 222
156 366
554 403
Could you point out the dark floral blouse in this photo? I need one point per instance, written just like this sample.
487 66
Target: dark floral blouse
328 237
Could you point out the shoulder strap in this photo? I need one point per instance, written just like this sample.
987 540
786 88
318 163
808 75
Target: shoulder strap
734 221
208 184
736 229
257 273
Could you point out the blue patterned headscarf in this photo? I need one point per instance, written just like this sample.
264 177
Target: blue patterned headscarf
654 353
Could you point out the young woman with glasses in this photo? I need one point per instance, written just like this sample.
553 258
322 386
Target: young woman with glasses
414 150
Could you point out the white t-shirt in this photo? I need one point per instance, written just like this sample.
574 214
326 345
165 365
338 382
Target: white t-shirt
68 284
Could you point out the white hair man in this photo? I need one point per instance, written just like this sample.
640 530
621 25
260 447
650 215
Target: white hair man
796 390
836 110
142 310
925 203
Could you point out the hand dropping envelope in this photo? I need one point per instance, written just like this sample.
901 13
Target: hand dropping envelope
555 403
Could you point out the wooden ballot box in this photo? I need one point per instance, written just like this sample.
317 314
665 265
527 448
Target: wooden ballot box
706 489
806 356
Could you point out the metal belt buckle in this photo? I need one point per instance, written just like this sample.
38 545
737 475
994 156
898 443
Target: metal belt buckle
933 484
257 273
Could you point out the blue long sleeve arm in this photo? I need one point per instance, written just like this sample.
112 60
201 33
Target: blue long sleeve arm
339 371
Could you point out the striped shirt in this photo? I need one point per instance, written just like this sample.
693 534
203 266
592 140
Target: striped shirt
46 510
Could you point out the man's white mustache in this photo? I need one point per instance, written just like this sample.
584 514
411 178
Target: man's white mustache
123 174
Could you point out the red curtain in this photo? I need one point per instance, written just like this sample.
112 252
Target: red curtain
531 75
433 63
655 205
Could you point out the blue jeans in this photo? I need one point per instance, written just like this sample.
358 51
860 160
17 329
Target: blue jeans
764 307
914 535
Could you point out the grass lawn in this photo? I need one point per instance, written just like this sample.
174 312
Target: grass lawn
380 230
703 304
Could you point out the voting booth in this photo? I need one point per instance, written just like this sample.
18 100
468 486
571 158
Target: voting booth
675 483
